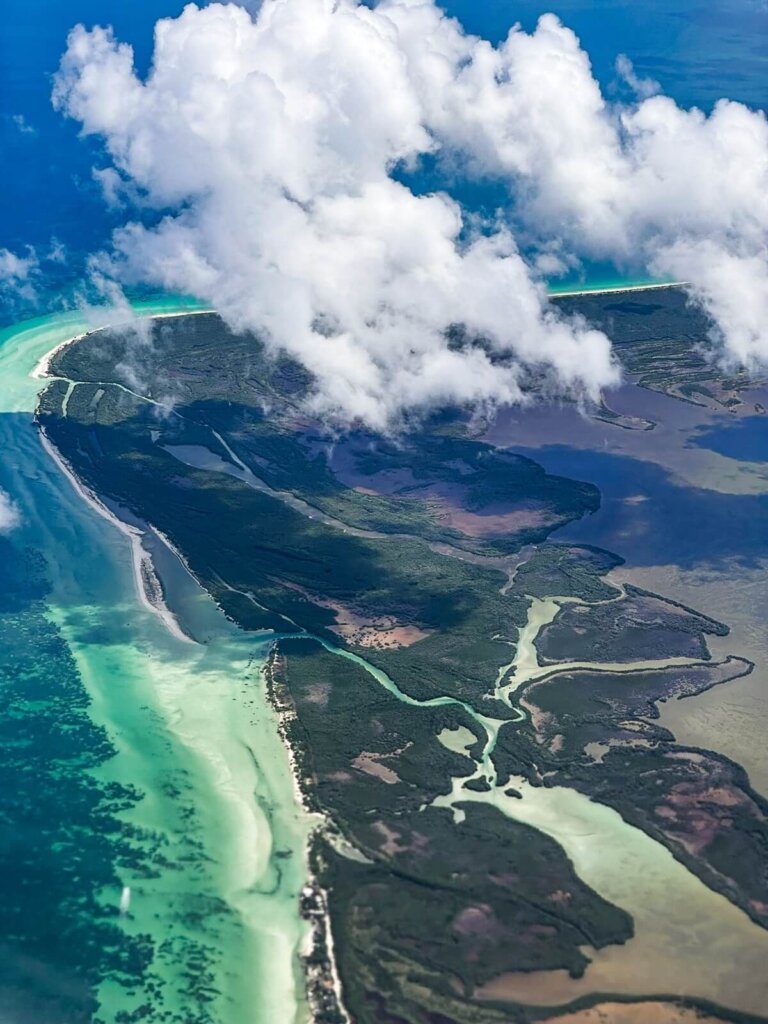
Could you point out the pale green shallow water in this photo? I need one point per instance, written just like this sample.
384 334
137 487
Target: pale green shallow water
193 731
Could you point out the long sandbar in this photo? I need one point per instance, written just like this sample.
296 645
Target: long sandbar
619 289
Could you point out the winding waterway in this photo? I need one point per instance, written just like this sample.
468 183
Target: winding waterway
689 940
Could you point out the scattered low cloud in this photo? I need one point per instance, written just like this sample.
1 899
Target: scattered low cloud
17 275
118 192
643 87
9 514
22 125
271 135
57 253
23 275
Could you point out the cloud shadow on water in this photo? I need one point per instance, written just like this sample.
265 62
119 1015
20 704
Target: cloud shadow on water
650 519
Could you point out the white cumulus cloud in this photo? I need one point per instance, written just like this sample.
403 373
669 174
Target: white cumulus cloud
643 87
17 275
9 514
271 136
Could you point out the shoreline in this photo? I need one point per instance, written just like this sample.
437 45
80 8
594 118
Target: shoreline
43 365
145 578
619 289
322 981
147 582
315 959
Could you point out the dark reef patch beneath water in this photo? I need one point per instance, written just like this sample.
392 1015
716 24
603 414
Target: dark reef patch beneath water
60 838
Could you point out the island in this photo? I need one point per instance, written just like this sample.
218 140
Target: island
448 675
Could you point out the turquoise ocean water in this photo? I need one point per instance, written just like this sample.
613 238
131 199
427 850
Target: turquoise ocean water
151 845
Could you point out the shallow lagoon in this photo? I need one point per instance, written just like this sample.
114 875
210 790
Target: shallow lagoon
691 523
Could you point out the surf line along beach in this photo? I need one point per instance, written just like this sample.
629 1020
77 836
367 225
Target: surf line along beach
148 586
177 711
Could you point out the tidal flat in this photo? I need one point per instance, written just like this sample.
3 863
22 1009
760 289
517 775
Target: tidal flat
698 546
684 503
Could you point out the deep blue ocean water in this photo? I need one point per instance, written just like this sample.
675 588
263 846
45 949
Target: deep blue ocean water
697 49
